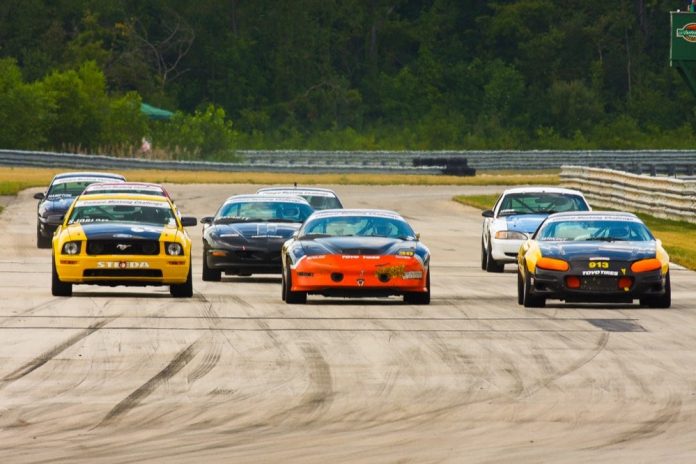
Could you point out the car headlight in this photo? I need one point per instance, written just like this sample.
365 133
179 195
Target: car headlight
174 249
510 235
553 264
71 248
405 252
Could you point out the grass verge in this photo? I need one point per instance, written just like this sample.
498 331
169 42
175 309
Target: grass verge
676 236
14 179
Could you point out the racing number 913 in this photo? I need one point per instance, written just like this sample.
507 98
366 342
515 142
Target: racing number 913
599 265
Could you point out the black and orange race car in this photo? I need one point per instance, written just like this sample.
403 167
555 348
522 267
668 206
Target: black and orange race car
593 257
356 253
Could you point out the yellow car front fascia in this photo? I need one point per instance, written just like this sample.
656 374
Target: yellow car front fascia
70 268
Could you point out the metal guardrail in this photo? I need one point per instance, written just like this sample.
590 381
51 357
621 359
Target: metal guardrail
663 197
306 161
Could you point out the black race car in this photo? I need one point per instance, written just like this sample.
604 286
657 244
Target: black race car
56 201
593 257
247 232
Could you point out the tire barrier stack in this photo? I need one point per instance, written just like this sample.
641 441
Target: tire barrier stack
450 166
664 197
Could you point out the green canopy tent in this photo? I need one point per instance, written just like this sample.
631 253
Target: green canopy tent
155 113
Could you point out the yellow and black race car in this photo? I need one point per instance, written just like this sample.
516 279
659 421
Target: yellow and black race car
593 257
122 239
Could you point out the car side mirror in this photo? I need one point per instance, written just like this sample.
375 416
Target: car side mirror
487 213
207 220
296 234
417 236
39 196
188 221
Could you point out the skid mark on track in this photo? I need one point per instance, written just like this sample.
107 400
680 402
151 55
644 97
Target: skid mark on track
42 359
26 312
650 428
600 345
320 391
210 360
135 398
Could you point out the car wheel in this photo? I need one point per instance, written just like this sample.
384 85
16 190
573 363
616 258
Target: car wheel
184 290
484 256
41 241
529 300
662 301
419 298
290 296
520 288
58 288
210 275
491 264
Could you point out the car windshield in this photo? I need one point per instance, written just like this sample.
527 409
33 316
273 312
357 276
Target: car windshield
601 230
323 202
357 226
68 188
263 211
136 212
540 203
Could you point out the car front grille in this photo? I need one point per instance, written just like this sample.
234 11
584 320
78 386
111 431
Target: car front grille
122 273
123 247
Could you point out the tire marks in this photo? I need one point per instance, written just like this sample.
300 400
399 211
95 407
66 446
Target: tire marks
45 357
134 399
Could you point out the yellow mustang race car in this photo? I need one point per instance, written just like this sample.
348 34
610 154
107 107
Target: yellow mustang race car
593 257
122 239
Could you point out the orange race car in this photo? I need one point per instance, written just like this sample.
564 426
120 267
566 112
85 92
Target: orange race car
356 253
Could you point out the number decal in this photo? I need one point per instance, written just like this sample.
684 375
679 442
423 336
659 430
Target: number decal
599 265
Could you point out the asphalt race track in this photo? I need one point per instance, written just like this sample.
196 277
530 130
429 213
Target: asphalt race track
236 375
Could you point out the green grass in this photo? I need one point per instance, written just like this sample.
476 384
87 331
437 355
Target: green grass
676 236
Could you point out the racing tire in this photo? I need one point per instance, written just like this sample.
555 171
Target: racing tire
58 288
419 298
290 296
41 241
663 301
210 275
529 300
491 264
484 256
520 288
184 290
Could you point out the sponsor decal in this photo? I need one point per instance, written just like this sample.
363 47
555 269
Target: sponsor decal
122 202
267 199
413 275
292 192
350 257
357 214
600 258
361 282
392 271
601 272
688 32
68 180
123 264
123 188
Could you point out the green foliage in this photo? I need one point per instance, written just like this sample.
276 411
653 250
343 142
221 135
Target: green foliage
204 134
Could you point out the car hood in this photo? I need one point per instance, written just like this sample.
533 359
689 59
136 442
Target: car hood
252 232
56 205
578 251
117 230
527 223
356 245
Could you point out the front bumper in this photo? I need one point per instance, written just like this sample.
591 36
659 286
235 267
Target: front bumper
505 249
346 275
248 260
123 269
45 228
553 285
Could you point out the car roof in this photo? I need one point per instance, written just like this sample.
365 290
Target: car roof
108 175
589 215
542 189
298 191
124 185
266 198
357 212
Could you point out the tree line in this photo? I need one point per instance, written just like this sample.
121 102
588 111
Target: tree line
341 74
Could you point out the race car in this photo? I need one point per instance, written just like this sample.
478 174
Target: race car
593 257
246 234
318 198
122 239
516 215
356 253
61 192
